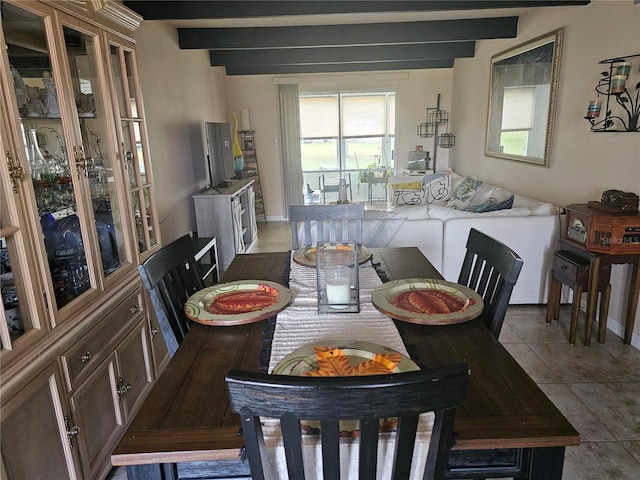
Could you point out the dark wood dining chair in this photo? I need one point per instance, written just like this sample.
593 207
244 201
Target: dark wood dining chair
491 269
171 276
366 399
339 222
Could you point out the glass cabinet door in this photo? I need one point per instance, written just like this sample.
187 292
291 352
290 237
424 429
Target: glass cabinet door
67 136
22 301
96 157
134 145
40 125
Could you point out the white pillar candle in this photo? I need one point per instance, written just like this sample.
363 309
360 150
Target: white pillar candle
338 294
338 285
245 120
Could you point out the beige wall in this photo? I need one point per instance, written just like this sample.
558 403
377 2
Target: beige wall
416 90
583 163
182 91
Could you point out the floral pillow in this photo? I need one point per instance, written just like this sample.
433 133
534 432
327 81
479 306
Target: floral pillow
464 192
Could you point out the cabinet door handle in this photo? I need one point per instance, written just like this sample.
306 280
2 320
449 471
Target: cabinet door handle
154 331
85 357
134 309
16 172
123 389
72 430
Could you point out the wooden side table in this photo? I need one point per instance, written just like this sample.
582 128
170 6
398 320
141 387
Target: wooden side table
572 270
596 262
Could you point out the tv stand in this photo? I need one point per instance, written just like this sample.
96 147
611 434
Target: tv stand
229 215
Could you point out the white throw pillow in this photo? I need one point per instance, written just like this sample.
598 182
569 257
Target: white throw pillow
437 186
414 190
406 190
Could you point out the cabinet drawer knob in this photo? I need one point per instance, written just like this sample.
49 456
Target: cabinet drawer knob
134 309
564 267
154 332
85 357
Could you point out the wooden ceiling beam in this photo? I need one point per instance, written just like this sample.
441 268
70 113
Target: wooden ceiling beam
377 53
351 35
339 67
214 9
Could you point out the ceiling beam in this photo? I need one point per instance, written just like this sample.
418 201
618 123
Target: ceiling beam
324 55
339 67
352 34
214 9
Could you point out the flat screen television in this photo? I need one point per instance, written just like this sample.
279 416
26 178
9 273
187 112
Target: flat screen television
219 153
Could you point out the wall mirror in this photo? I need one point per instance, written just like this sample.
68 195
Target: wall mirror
522 99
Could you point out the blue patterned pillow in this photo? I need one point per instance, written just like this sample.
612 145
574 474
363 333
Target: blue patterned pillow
491 205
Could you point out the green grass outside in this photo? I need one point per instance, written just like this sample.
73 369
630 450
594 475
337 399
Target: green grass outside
323 154
514 143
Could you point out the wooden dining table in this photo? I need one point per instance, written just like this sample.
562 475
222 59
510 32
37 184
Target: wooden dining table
506 427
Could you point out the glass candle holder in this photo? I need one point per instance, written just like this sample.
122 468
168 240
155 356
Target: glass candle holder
338 277
617 83
593 109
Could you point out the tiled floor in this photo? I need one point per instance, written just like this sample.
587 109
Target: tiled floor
597 387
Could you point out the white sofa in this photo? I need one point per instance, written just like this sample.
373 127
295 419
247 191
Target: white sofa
531 228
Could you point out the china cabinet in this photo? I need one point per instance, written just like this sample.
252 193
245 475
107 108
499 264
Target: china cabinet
77 344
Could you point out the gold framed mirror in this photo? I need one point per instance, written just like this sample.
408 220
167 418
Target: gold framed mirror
522 99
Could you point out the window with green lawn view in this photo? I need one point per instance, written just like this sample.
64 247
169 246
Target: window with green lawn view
519 107
346 132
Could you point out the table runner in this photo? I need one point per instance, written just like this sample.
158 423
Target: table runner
301 324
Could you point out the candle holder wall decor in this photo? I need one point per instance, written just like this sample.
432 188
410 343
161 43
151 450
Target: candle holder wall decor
618 90
337 270
436 118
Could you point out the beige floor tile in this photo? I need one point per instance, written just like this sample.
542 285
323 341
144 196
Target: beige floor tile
531 363
590 427
633 448
617 405
576 364
508 334
600 461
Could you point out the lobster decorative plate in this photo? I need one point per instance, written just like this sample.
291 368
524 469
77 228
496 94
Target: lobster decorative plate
428 301
237 303
340 358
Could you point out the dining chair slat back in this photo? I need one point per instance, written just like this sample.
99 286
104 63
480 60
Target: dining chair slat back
171 276
367 399
491 269
340 222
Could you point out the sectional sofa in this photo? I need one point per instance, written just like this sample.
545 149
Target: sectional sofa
438 223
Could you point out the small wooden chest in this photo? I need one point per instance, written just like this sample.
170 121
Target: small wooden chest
603 232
